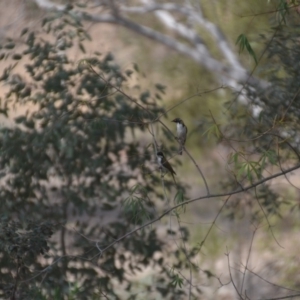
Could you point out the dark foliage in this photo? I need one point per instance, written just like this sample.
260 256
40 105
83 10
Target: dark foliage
266 130
66 162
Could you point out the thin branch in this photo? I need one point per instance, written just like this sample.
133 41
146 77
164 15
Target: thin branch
286 177
291 102
288 143
199 94
198 168
247 262
158 120
281 298
271 283
189 261
213 224
268 12
249 79
237 191
198 52
151 131
229 269
190 156
269 225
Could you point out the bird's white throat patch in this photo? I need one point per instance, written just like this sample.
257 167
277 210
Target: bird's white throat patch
159 159
180 128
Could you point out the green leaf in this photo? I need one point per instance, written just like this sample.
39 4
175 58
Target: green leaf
24 31
283 10
243 43
144 96
272 156
161 87
20 119
17 56
136 67
9 46
233 158
81 47
208 273
213 130
179 197
128 72
177 281
81 5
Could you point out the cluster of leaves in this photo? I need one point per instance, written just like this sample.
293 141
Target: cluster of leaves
21 244
276 129
264 133
62 162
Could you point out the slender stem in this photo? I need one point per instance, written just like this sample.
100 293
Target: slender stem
198 168
237 191
247 262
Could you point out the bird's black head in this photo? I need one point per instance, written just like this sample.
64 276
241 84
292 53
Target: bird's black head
159 153
177 120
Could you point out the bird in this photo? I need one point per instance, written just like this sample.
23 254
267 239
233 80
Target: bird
164 164
181 133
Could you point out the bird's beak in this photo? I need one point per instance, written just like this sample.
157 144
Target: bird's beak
174 121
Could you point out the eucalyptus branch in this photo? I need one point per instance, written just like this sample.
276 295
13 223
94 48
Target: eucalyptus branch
158 119
232 75
190 156
237 191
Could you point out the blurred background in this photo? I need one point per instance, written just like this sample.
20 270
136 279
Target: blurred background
222 68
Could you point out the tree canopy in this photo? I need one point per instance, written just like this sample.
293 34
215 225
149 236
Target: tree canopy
86 213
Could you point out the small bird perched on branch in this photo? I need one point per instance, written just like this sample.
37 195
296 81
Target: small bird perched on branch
181 133
164 164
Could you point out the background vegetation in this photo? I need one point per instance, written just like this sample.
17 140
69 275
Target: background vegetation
85 210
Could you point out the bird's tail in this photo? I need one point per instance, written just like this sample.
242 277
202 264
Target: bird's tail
180 150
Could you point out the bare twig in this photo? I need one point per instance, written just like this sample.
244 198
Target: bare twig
213 224
237 191
271 283
281 298
198 168
231 278
269 225
247 262
211 196
189 261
